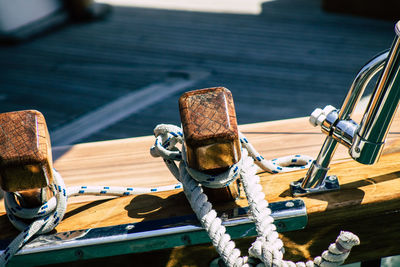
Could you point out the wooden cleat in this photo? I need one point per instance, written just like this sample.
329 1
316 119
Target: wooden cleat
211 136
210 129
224 194
25 151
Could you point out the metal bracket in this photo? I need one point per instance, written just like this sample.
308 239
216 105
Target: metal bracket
329 183
148 235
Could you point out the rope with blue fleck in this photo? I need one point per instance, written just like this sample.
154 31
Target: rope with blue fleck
278 165
267 250
49 215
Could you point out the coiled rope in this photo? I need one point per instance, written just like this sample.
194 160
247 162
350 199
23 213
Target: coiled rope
46 217
267 250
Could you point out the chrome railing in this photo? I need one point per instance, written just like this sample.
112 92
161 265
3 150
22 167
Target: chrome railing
365 140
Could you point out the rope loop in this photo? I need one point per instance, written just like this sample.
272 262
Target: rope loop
48 216
167 136
214 181
50 213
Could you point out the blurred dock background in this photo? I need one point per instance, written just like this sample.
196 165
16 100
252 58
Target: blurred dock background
281 59
121 76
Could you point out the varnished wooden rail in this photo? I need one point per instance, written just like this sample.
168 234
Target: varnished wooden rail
367 204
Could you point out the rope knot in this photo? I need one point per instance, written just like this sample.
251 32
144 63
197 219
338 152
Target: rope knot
167 136
49 214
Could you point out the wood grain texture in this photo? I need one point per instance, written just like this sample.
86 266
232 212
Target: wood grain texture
210 129
25 151
367 204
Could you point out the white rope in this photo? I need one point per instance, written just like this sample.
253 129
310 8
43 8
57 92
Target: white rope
168 135
278 165
45 219
209 220
214 181
268 248
50 214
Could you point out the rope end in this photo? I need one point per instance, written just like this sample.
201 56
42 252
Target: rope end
347 240
154 152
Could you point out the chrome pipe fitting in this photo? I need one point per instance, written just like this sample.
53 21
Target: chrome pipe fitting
365 141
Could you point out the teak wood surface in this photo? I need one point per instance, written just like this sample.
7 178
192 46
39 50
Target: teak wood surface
367 204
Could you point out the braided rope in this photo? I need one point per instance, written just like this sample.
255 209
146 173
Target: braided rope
209 220
168 135
215 181
278 165
49 215
268 248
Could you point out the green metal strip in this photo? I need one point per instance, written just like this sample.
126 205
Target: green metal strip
127 239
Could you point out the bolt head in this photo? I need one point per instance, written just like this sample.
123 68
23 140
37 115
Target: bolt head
314 116
289 204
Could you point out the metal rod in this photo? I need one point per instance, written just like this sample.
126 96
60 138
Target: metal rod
374 127
359 84
318 170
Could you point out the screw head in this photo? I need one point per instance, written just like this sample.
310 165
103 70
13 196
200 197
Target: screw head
289 204
130 227
79 253
314 116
